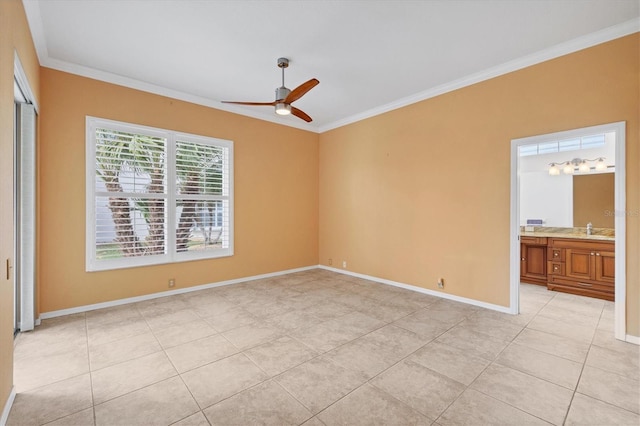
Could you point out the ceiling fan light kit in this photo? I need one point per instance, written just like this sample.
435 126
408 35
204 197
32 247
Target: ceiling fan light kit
285 97
283 109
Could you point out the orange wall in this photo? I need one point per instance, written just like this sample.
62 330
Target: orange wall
276 192
14 36
423 192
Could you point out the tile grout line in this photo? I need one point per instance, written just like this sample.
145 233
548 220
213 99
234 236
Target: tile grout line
394 364
584 364
492 362
164 350
93 401
385 323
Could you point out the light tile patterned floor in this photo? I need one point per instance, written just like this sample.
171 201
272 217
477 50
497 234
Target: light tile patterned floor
318 348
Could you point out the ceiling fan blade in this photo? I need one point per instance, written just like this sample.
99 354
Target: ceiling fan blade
301 114
250 103
299 91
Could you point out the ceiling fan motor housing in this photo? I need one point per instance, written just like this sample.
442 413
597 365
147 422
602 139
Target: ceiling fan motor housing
282 93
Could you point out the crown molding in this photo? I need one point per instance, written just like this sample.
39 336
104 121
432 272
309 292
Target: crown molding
580 43
164 91
32 7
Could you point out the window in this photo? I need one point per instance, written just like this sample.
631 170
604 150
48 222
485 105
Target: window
156 196
585 142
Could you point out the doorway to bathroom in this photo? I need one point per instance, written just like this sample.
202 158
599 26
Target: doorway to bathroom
546 167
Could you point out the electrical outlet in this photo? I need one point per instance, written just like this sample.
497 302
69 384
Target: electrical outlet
344 264
330 261
441 283
172 282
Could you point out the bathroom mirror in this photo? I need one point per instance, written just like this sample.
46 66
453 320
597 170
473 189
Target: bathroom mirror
568 200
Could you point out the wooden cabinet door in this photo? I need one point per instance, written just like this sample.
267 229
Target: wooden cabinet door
536 261
605 268
533 264
580 263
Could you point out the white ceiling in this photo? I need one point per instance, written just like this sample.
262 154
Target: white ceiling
370 56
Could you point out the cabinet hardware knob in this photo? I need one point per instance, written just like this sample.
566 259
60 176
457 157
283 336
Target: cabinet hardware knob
592 253
597 254
523 258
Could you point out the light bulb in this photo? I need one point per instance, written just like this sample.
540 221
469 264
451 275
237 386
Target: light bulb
600 165
554 170
283 109
568 168
584 167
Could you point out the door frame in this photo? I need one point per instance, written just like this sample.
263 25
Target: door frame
620 327
25 296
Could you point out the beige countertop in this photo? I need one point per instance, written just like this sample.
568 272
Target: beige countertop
600 234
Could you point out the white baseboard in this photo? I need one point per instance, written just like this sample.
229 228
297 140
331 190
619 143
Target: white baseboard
632 339
7 407
118 302
503 309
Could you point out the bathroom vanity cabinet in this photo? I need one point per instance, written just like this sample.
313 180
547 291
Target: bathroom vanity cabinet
583 267
533 260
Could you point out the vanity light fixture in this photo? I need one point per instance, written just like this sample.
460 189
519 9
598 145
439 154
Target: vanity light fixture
579 164
554 170
568 168
584 167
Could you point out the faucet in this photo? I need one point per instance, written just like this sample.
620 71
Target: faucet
589 228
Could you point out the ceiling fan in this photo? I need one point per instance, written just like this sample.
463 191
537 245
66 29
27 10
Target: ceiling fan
285 97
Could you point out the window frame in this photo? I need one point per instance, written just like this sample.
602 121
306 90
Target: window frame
170 196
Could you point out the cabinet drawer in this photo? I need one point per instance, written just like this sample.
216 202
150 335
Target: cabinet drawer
586 284
595 290
537 241
555 268
590 292
555 254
